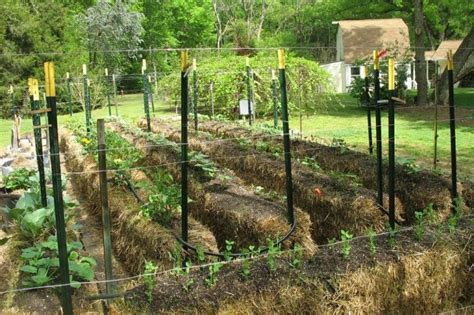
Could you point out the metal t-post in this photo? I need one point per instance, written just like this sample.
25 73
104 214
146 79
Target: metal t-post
378 130
286 136
57 189
184 145
452 129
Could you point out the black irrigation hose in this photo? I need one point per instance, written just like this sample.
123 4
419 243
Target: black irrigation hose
238 255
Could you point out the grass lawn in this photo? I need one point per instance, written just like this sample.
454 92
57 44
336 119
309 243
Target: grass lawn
414 131
414 128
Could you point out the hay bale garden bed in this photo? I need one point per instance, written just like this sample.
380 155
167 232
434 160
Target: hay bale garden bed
332 205
220 199
342 160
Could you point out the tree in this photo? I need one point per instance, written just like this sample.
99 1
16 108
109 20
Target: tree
112 33
463 65
420 64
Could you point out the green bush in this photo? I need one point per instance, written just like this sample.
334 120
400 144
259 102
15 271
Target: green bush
308 84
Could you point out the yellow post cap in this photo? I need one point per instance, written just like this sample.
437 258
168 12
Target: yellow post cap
366 71
35 89
84 69
106 72
391 74
281 58
184 60
450 60
50 84
30 86
67 75
376 59
194 64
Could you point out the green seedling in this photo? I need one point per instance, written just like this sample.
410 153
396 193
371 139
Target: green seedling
273 252
346 237
372 246
149 279
420 225
212 277
246 263
297 256
228 250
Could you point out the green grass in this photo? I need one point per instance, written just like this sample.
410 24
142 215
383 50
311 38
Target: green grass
414 134
130 107
414 128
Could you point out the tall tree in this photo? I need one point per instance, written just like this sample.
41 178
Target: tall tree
420 64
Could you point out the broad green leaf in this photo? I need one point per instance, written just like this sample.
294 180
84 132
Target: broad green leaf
29 269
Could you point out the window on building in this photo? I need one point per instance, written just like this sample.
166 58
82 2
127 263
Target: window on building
355 72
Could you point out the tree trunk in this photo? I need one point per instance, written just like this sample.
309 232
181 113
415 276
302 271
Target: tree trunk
463 64
420 64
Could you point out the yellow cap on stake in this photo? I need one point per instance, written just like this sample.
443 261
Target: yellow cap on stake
247 61
391 74
184 60
376 59
50 84
106 72
67 75
84 69
281 58
35 91
366 71
30 86
450 60
88 82
194 64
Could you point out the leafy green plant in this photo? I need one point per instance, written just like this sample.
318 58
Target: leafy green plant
371 235
420 224
392 233
228 250
176 258
310 162
346 237
273 252
201 256
340 143
34 220
246 263
212 276
41 263
21 178
164 198
409 164
201 161
297 256
149 279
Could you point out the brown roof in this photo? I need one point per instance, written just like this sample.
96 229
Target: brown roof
361 37
444 47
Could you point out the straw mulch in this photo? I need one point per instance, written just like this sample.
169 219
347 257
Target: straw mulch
415 189
135 239
416 276
223 203
332 206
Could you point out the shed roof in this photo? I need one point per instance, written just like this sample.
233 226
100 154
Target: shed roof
444 47
361 37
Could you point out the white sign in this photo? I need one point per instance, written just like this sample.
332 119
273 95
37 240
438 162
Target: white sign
244 107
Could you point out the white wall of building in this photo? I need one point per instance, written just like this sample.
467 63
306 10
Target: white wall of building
337 71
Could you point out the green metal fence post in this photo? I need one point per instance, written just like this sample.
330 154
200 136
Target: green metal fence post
69 94
195 95
286 136
378 130
452 131
35 111
275 100
145 96
184 145
391 144
249 89
369 115
57 188
106 221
